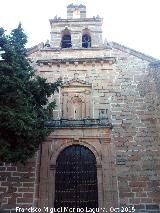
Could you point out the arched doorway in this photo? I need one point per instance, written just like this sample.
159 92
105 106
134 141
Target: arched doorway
76 178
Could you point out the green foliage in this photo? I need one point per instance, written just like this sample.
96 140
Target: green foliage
24 106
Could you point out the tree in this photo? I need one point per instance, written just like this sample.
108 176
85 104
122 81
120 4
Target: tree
24 106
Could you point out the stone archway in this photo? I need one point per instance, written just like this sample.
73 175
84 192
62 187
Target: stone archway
76 178
98 165
97 140
55 153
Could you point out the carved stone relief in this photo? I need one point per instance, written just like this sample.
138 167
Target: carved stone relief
76 100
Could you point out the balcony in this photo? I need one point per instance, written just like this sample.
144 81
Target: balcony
83 123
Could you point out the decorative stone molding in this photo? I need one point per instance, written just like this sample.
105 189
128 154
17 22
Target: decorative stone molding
104 167
76 60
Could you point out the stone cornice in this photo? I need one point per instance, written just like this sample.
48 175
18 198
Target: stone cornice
110 60
59 20
40 47
77 6
52 49
132 52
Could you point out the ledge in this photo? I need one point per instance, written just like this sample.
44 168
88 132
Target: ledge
83 123
60 20
64 60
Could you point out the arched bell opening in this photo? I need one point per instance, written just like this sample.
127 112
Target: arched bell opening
66 39
86 39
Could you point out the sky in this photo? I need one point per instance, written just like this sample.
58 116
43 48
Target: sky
132 23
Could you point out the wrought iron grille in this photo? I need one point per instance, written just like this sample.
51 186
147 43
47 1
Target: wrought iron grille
71 123
76 178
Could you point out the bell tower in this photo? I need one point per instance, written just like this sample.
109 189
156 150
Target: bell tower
76 31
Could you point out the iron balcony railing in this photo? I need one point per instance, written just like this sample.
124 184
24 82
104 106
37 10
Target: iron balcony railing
86 122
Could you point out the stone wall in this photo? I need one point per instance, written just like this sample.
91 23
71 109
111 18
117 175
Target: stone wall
125 91
135 133
124 88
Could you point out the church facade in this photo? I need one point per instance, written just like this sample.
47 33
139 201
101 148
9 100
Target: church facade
104 151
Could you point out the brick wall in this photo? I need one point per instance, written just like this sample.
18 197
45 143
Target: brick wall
18 185
155 75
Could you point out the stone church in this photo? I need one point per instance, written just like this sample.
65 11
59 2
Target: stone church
104 150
